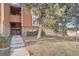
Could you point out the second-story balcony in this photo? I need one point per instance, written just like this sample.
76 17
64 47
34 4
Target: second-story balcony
15 10
15 14
15 18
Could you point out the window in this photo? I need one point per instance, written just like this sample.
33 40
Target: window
15 10
35 21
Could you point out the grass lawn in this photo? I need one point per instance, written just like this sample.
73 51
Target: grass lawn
53 46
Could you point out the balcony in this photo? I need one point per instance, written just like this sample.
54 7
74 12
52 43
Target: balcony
15 18
15 10
15 14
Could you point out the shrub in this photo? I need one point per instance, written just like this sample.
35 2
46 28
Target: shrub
35 33
2 41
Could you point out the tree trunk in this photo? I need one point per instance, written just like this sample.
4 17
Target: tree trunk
64 32
39 31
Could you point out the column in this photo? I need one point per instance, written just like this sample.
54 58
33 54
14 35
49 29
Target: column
2 18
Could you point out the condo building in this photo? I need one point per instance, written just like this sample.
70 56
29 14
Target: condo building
16 20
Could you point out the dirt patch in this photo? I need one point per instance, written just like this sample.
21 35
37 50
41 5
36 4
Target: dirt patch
53 47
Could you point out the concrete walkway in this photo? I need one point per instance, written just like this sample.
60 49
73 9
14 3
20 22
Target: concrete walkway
17 46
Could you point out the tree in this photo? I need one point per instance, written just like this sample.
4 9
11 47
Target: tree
49 14
73 16
39 11
55 13
64 17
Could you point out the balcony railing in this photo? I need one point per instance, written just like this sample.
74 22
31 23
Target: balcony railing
15 10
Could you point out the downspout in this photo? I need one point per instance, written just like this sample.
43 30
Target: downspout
2 18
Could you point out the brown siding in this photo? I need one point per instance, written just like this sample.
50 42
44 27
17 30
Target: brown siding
27 18
6 19
9 18
15 18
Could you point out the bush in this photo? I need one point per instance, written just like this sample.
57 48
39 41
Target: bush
2 42
35 33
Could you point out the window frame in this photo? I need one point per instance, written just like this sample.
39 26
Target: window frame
34 18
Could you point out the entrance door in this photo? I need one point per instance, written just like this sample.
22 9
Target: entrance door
15 28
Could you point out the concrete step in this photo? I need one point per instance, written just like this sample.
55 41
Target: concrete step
17 45
20 52
16 39
14 48
15 42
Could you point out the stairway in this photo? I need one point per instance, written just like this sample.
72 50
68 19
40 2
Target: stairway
17 46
